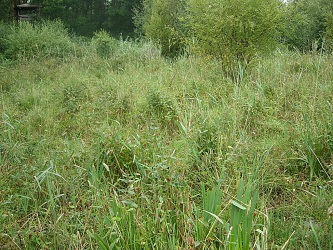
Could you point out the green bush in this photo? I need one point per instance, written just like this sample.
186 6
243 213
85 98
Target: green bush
46 39
104 44
233 31
160 21
307 24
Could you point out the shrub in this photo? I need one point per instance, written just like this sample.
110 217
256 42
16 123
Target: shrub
104 44
233 31
307 23
160 21
47 39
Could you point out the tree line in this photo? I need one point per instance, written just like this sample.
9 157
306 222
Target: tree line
300 23
82 17
234 31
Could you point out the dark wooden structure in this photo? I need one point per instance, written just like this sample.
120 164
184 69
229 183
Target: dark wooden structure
26 11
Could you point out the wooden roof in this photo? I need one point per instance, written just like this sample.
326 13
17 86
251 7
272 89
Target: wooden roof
26 6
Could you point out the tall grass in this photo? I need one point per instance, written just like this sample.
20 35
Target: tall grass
28 41
134 151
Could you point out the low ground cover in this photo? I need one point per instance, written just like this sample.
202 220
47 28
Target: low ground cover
134 151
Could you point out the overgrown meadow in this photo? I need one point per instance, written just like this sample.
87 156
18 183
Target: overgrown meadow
105 144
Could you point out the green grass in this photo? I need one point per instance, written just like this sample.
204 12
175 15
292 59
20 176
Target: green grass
133 151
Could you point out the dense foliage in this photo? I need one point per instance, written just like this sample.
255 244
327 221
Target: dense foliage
6 10
230 30
83 17
308 25
234 31
161 21
45 39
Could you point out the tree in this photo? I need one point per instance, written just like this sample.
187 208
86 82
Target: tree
234 31
120 15
89 16
160 20
6 10
307 23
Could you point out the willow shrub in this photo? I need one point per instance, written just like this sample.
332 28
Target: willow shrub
161 22
234 31
46 39
307 25
105 45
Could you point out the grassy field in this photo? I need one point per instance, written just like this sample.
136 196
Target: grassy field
134 151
